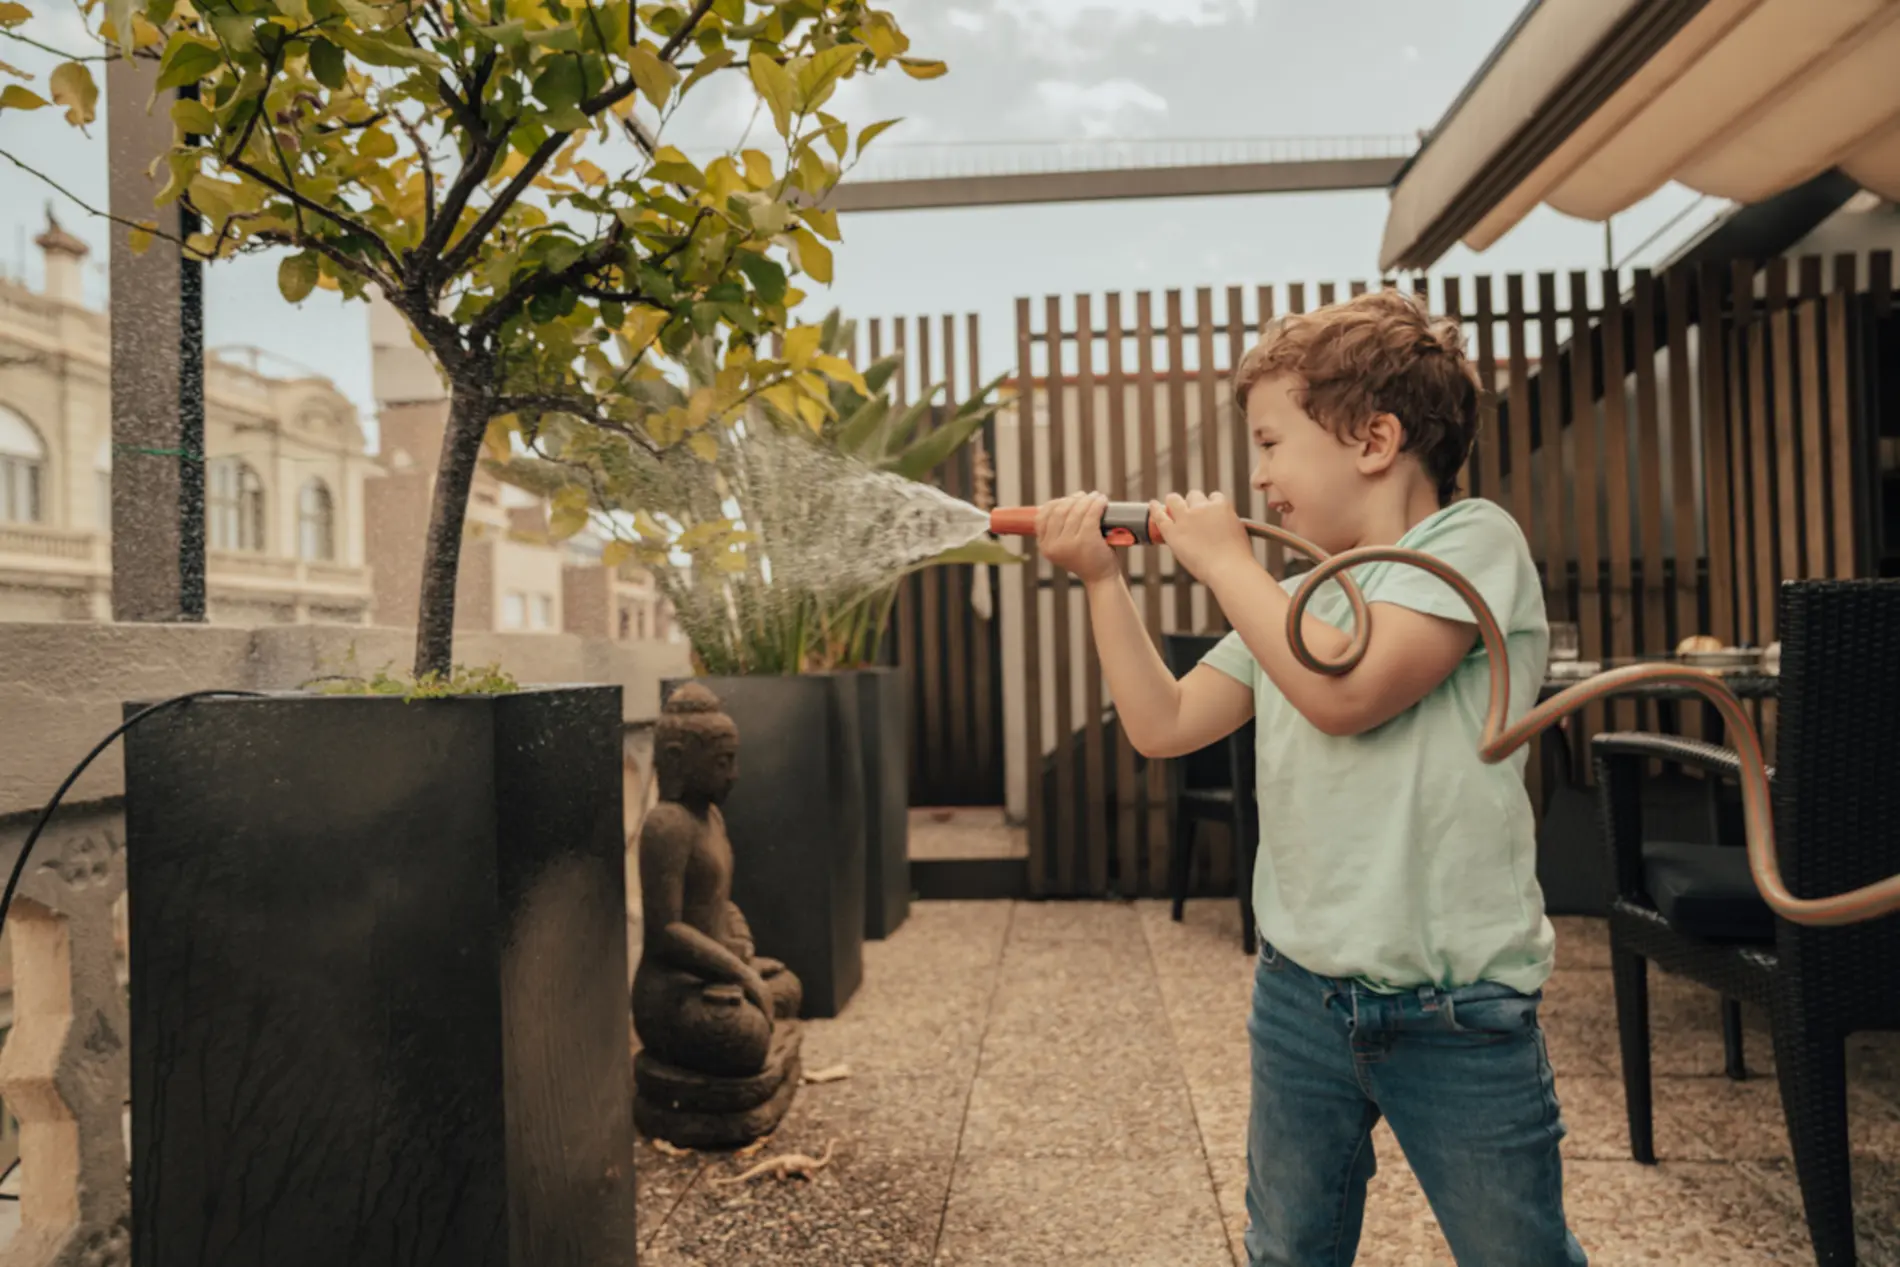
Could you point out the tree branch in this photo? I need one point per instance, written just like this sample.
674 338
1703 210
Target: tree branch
458 257
428 174
89 209
475 169
576 407
329 213
60 53
518 295
668 51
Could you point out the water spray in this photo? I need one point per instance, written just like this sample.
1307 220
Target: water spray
1131 523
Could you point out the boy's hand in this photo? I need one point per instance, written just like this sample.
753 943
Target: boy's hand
1069 535
1203 531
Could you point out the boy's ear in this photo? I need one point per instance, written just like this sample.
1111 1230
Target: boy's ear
1379 444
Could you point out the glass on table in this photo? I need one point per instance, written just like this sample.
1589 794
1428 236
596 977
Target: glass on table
1565 644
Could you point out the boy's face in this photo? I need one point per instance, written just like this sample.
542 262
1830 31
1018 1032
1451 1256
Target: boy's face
1309 475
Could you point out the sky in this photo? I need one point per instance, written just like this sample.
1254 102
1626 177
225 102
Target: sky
1020 70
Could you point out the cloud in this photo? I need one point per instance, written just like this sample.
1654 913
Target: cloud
1069 32
965 20
1097 110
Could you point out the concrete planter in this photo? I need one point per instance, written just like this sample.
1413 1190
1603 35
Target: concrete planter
885 719
797 823
379 972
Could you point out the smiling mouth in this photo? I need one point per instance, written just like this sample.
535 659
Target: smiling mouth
1281 509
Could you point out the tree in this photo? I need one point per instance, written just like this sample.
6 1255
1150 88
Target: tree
499 171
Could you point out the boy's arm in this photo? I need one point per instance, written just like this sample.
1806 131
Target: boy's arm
1163 716
1409 654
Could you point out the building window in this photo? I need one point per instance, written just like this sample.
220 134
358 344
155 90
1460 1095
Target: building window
514 611
626 624
316 522
543 611
234 506
22 470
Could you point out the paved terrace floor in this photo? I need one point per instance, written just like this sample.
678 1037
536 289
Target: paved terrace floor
1036 1083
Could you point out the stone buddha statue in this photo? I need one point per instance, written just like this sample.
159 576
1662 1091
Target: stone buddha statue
719 1039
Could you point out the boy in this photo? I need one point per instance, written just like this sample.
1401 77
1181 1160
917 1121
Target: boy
1404 942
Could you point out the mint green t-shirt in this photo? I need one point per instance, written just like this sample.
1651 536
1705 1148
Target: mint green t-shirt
1396 857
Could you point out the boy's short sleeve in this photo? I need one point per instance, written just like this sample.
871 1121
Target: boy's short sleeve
1230 656
1479 540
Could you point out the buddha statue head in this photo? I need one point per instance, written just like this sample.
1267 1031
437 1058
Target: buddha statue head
695 747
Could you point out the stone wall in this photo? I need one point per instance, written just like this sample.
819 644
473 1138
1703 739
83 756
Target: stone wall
62 686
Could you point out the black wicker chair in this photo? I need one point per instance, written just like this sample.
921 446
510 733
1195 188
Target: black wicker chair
1214 784
1837 823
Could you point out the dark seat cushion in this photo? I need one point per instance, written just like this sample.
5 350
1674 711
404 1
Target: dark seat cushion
1706 891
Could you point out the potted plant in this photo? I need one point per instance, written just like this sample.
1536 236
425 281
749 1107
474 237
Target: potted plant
787 617
403 899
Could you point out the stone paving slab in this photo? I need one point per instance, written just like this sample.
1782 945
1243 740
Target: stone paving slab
1067 1083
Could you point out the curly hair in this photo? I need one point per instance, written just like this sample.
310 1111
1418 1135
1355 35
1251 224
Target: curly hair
1380 352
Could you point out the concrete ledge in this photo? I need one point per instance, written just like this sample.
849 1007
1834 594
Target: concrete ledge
62 685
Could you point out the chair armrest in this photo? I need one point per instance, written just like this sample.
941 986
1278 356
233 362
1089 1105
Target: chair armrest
1620 760
1672 748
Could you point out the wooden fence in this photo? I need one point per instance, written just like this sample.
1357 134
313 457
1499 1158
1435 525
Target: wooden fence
1673 446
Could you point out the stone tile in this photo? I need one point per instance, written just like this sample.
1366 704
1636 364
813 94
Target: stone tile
1081 1116
1072 921
1876 1203
921 1031
878 1204
1583 941
660 1181
1059 1009
1015 1213
1207 940
940 940
1678 1212
1578 1016
937 834
1685 1029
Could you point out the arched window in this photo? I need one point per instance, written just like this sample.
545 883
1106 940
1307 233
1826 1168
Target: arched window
234 505
22 470
316 522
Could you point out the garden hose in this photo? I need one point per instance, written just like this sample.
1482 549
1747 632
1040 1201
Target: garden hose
1129 523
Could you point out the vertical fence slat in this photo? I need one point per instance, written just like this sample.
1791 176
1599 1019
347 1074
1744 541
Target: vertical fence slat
1207 378
1682 478
1519 404
1245 499
1813 438
1654 634
1060 638
900 335
959 741
1128 800
1880 282
1490 443
929 582
1550 395
1840 437
1095 839
1356 289
1155 800
1739 489
1030 495
1787 425
1761 483
1617 487
1583 428
1178 450
1454 312
1713 347
1276 553
985 669
1328 294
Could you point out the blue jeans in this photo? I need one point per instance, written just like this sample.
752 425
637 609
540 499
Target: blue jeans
1462 1076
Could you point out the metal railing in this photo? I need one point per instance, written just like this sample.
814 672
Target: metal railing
896 160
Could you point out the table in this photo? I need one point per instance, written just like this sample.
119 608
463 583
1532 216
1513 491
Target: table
1571 865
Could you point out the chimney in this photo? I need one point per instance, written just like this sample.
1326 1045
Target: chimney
63 253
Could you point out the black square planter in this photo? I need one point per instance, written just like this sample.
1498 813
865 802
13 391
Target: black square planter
379 983
796 819
885 721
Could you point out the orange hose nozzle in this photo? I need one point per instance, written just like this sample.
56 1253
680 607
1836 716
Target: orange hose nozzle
1013 521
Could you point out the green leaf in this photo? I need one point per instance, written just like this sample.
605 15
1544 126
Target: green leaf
234 31
775 87
561 86
383 49
873 131
193 117
297 276
558 39
511 35
766 276
14 97
861 432
917 68
326 65
72 86
930 452
186 62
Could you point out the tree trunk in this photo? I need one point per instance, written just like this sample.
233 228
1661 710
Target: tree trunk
470 398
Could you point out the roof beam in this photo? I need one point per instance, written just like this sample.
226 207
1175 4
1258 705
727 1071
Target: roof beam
1211 180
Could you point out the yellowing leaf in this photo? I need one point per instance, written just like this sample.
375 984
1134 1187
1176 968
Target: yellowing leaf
842 370
873 131
916 68
14 97
643 327
13 14
615 552
590 173
654 77
139 238
723 178
775 87
570 497
801 344
814 257
193 117
496 440
812 412
72 86
822 219
718 59
565 522
758 169
885 41
297 276
781 397
703 445
821 74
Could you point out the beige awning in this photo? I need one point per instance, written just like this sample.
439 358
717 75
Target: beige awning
1743 100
